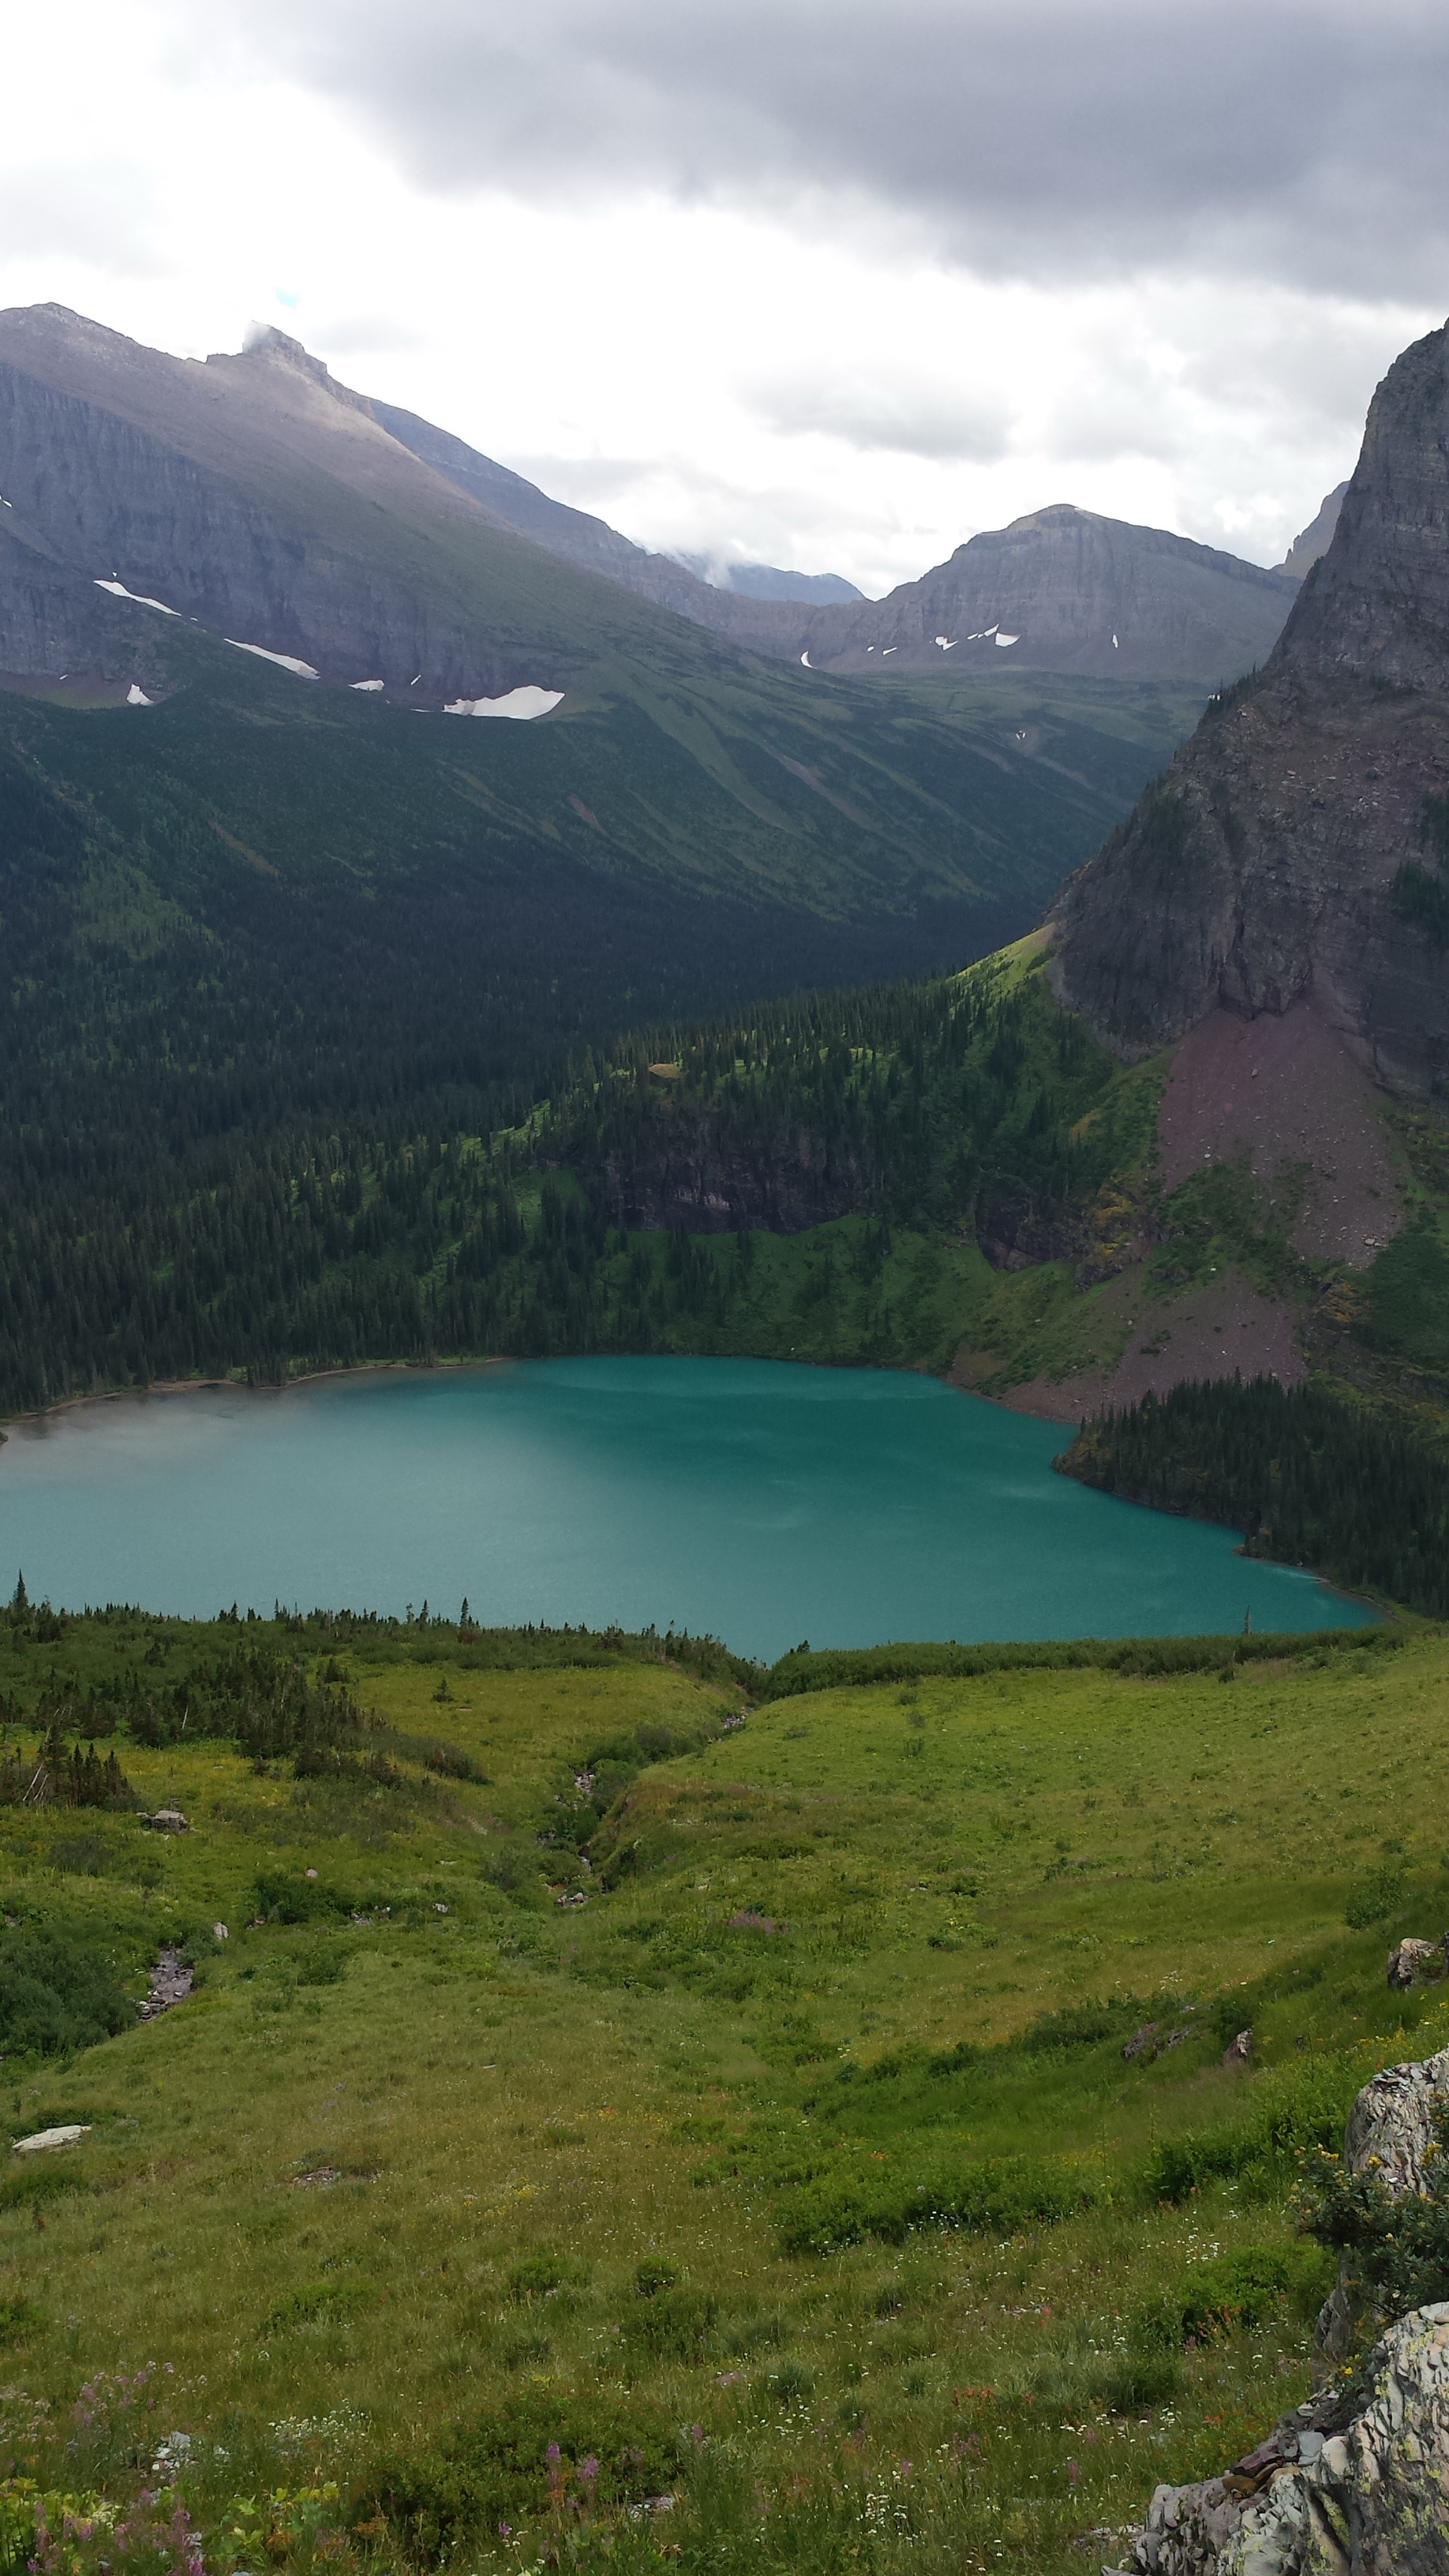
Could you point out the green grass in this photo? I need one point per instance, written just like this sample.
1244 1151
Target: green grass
810 2128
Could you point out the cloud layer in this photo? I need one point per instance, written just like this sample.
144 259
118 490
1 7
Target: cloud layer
825 282
1299 140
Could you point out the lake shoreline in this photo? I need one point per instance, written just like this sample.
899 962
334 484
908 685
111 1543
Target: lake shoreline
241 1386
752 1499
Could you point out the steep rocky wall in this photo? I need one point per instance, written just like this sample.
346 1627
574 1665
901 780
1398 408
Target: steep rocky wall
1260 867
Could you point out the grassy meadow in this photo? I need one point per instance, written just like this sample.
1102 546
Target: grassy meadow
644 2109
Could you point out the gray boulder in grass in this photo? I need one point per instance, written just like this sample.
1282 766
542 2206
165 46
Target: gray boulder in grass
1410 1961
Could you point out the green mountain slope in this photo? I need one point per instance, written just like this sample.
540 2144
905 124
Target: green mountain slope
262 927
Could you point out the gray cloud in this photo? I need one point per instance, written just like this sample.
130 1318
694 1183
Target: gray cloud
935 421
1304 140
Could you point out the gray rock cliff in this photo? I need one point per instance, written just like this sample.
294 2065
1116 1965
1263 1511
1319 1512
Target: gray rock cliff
1262 867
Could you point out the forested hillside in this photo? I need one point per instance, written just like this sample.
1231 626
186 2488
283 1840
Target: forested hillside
226 1228
283 961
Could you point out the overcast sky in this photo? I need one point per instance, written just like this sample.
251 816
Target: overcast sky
832 283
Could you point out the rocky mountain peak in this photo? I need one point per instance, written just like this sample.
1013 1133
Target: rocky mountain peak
264 345
1316 538
1375 607
1294 849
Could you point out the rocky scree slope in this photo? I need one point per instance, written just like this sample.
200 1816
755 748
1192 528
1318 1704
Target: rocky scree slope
1294 849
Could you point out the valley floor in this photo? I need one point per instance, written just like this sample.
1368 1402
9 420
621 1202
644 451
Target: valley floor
783 2153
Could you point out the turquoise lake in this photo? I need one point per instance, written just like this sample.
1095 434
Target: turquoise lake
764 1502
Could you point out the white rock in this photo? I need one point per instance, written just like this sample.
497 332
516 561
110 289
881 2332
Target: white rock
44 2138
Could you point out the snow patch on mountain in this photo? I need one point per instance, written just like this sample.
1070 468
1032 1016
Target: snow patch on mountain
523 704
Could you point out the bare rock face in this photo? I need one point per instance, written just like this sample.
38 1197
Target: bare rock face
1355 2482
1391 2125
1317 537
1328 2495
1258 870
1390 2132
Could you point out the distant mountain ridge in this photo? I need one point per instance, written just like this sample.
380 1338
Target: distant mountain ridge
1316 538
1062 589
773 581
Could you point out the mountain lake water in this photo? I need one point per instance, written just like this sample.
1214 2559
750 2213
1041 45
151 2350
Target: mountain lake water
762 1501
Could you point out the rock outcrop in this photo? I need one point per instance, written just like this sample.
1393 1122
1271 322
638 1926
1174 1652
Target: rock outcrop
1332 2492
1390 2132
1355 2482
1411 1961
1261 869
1317 537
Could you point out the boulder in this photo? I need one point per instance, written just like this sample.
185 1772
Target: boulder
1411 1960
1332 2492
44 2138
167 1820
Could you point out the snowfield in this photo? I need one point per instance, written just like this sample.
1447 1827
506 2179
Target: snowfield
284 661
118 590
523 704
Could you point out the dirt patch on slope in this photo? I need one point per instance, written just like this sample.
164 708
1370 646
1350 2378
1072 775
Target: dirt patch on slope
1228 1329
1286 1089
